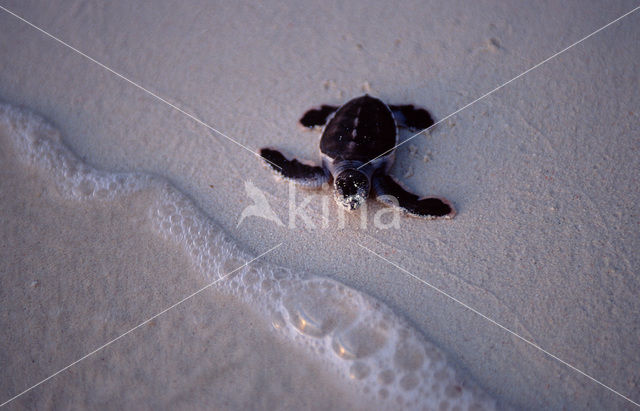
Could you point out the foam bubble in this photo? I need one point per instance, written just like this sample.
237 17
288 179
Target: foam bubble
369 347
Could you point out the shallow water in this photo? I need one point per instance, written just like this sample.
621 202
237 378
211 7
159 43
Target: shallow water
88 254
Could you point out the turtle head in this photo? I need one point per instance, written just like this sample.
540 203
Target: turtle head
351 188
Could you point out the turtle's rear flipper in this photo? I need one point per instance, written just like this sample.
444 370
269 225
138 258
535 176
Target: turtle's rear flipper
388 191
303 174
411 117
317 116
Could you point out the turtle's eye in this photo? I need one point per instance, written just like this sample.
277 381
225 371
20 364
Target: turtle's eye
351 189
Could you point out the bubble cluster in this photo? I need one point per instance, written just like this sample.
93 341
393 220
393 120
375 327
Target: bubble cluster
364 342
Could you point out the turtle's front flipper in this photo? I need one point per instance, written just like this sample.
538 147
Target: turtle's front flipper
411 117
303 174
388 191
317 116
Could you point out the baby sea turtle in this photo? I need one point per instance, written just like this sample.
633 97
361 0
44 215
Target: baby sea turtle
361 130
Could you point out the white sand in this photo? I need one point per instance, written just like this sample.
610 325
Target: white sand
544 173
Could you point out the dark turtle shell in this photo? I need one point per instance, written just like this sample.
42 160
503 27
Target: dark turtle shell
362 129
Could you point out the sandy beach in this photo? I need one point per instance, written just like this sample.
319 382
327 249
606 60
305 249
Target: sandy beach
544 174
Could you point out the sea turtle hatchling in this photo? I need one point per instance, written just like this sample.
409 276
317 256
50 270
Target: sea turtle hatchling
361 130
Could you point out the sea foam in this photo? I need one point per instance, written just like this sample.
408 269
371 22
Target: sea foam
371 349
